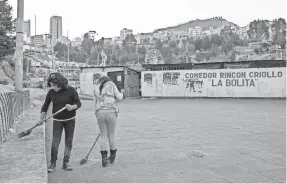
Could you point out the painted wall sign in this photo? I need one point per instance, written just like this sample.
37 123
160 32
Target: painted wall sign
251 82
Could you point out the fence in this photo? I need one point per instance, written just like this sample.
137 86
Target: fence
12 104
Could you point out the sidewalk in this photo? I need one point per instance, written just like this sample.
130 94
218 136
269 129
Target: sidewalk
23 160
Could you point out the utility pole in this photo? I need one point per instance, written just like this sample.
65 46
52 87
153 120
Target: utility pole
50 38
68 45
52 46
186 50
98 61
35 25
68 51
19 46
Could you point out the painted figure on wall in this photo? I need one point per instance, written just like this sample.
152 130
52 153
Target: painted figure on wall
148 78
194 85
96 77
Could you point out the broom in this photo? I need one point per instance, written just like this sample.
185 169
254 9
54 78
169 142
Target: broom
27 132
83 161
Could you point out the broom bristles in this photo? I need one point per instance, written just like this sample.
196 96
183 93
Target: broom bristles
83 161
22 134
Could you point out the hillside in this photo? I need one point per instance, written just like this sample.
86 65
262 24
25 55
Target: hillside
205 24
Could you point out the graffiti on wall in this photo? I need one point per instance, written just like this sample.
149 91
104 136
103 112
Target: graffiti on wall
96 77
170 78
148 78
193 85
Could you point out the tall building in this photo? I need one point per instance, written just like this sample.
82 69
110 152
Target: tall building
27 28
56 28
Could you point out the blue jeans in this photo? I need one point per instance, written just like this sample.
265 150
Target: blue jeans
58 126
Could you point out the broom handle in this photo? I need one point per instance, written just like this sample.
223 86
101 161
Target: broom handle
93 146
48 118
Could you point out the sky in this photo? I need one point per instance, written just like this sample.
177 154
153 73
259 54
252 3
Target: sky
108 17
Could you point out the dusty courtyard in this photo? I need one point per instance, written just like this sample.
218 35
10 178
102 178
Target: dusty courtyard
159 141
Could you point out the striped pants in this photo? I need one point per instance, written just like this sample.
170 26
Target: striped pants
107 124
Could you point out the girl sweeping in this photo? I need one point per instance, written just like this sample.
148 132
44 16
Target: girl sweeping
106 110
61 95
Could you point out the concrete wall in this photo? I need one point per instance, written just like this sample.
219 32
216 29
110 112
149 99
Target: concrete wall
248 82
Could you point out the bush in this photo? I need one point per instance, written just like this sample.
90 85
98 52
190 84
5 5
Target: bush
26 84
4 81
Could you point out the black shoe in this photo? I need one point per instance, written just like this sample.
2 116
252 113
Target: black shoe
105 162
52 167
67 167
112 156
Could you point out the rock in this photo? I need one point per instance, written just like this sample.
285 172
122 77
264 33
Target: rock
196 154
12 130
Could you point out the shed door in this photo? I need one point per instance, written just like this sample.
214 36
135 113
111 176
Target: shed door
117 78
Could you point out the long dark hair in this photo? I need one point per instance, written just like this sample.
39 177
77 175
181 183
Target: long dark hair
102 81
57 79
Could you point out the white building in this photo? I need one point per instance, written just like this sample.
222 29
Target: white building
117 40
142 36
38 40
124 32
107 41
76 42
64 40
195 31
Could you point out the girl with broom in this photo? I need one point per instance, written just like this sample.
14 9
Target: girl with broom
61 95
106 110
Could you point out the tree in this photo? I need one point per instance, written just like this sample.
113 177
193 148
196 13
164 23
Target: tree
258 29
280 32
61 49
142 50
158 44
79 57
7 28
227 46
87 45
216 40
172 44
206 43
281 40
114 58
191 48
129 40
190 40
198 44
26 64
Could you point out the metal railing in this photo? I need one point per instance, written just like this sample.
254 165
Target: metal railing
12 104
